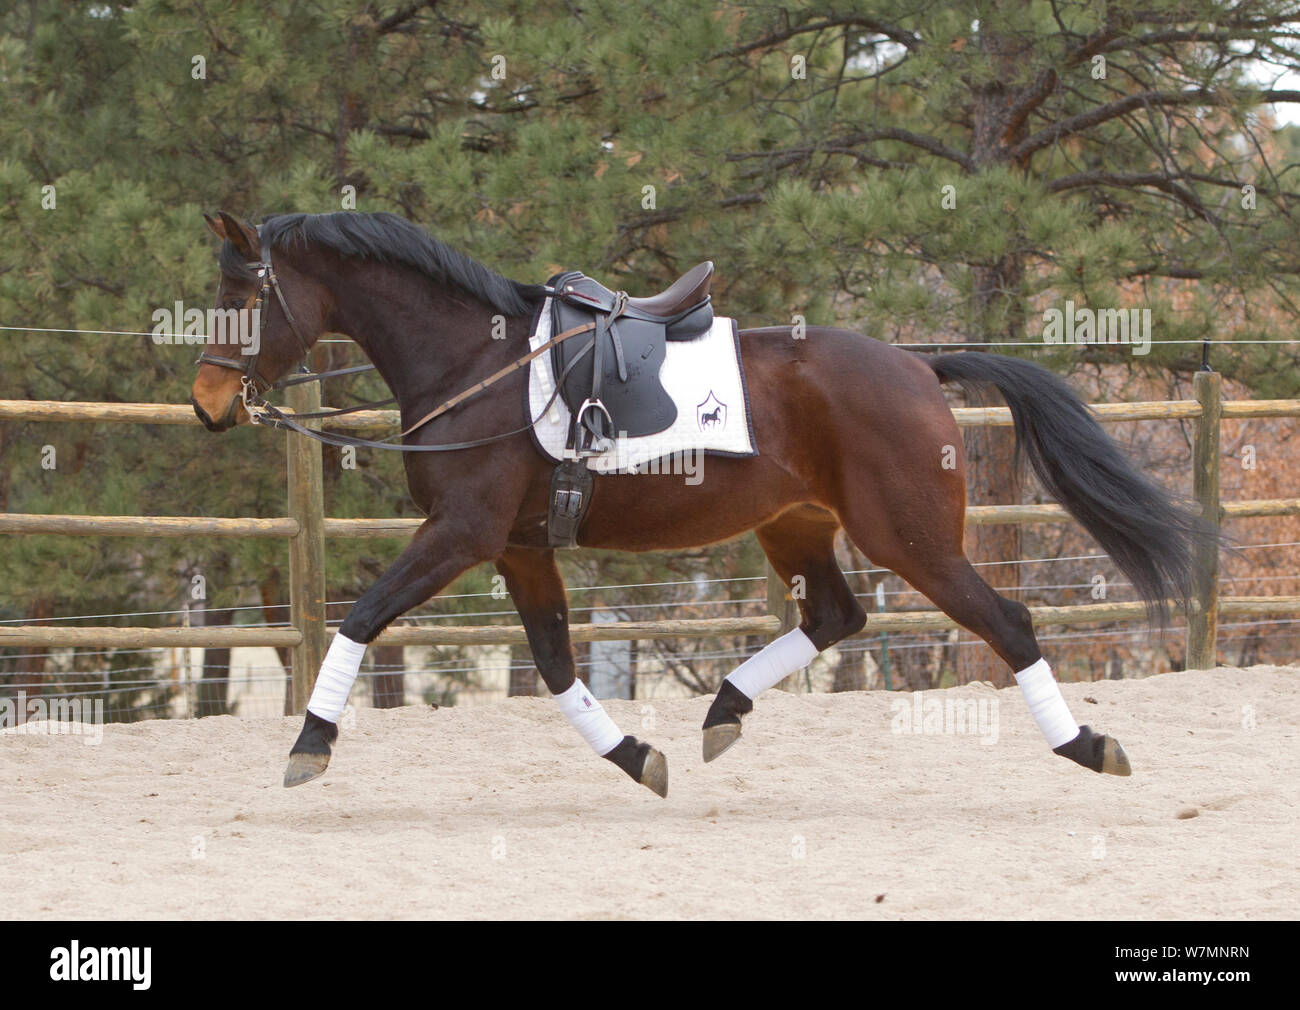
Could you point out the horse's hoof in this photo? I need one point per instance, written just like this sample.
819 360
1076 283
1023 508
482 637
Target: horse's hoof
654 773
1113 759
1097 751
304 767
642 763
719 739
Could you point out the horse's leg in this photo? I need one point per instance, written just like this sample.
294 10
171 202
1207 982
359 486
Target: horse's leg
924 547
439 551
538 593
800 542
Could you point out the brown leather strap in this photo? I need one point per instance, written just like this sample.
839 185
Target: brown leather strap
445 406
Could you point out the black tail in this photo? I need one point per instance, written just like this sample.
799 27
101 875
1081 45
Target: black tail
1145 531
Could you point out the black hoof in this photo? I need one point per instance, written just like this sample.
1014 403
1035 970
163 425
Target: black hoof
643 764
310 754
722 724
1097 751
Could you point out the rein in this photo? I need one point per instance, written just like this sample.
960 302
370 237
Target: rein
278 419
264 413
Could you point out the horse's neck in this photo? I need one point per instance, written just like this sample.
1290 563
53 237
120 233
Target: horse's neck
426 343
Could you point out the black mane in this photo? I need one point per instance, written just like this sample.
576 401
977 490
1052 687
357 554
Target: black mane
388 238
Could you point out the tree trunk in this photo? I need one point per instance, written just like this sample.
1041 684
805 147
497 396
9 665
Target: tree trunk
275 610
851 671
32 680
913 668
388 685
524 681
998 314
1250 650
214 688
990 480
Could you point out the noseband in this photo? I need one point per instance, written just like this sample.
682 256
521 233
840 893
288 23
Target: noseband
254 384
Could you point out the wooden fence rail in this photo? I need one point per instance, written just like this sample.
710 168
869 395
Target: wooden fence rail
40 635
306 528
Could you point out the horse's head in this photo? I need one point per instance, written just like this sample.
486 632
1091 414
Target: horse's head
266 320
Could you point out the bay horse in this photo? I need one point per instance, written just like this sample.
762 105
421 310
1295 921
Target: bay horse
852 433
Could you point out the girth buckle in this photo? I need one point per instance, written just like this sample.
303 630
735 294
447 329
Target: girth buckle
571 484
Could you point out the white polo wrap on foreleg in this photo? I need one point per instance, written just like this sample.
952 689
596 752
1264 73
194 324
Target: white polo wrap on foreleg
337 674
589 718
773 663
1043 696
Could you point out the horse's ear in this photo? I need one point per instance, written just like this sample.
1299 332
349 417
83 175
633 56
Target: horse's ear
242 237
216 227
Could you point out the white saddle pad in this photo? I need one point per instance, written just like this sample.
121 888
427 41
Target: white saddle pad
703 376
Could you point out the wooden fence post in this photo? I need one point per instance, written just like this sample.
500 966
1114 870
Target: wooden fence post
1203 609
307 548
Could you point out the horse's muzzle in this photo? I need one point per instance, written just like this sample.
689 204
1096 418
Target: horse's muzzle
227 422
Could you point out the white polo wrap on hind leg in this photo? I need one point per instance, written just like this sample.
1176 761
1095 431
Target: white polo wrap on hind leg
589 718
1043 696
337 674
773 663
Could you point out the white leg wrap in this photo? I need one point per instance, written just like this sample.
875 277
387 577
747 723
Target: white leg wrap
337 674
589 718
773 663
1046 705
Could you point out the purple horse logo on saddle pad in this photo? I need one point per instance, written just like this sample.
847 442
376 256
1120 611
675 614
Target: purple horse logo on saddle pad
711 415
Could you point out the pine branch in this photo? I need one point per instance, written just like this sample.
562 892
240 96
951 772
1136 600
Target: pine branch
924 142
1034 96
1129 180
900 35
400 17
1161 38
1145 99
1132 180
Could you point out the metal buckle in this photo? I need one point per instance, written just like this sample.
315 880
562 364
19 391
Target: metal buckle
248 393
568 504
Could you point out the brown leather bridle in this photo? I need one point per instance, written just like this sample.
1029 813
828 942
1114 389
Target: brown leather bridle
254 385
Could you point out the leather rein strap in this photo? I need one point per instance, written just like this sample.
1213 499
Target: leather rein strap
442 408
288 421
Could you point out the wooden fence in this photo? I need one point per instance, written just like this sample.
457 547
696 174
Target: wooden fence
306 527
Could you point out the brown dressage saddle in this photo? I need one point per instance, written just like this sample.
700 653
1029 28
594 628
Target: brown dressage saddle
610 380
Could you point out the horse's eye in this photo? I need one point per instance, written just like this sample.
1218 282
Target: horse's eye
233 303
